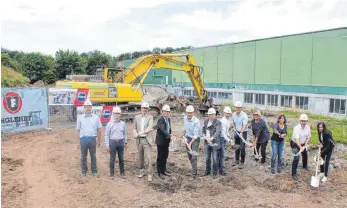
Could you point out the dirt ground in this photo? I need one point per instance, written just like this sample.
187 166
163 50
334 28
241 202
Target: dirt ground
42 169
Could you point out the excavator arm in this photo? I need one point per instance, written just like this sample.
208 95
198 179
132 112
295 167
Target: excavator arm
179 62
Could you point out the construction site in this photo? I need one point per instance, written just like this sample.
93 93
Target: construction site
41 161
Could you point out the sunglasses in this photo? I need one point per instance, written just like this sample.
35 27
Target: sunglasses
303 121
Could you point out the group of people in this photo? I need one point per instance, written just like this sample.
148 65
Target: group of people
215 134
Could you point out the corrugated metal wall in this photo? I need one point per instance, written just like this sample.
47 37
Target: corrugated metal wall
301 62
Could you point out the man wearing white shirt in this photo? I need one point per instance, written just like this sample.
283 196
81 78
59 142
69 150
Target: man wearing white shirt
301 137
225 135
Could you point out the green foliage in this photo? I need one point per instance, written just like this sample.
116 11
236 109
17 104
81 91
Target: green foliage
7 61
230 105
345 156
97 59
11 78
34 66
69 62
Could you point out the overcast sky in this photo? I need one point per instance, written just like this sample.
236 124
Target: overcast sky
127 25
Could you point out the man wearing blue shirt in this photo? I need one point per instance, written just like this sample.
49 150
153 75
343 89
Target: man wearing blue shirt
88 127
115 141
240 121
192 133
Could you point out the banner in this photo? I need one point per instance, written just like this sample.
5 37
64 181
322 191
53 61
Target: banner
103 112
23 109
58 96
81 96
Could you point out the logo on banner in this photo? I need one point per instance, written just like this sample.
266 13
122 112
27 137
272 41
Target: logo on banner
81 96
12 102
106 114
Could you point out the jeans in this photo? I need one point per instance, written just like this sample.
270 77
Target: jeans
163 154
295 163
277 152
210 151
221 155
88 143
193 159
263 151
325 167
242 148
116 147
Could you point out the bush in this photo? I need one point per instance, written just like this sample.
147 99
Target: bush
11 78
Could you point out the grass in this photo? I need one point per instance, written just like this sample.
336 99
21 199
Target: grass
11 78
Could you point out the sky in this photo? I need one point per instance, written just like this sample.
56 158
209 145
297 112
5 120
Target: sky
117 27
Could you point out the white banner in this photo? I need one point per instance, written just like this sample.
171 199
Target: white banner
57 96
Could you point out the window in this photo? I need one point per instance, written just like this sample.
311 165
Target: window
301 102
286 101
272 100
337 106
248 98
187 93
225 95
260 99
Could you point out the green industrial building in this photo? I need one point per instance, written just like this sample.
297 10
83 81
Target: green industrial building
290 71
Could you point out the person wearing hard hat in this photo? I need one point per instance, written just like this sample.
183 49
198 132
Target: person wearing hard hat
240 121
261 135
225 136
163 139
89 134
142 124
212 130
115 141
192 133
301 137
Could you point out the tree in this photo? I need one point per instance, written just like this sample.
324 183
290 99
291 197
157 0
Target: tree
97 59
156 50
7 61
34 66
68 62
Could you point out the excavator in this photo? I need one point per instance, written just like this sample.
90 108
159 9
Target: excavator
121 87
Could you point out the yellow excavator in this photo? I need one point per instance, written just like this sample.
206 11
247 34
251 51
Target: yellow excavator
121 87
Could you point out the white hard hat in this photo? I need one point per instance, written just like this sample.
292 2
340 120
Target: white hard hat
303 117
227 109
144 105
238 104
116 110
166 108
190 109
211 111
87 102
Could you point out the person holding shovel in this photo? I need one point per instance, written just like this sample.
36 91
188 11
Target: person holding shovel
116 141
240 121
212 131
327 145
261 135
277 143
163 139
301 137
192 134
89 136
142 125
225 136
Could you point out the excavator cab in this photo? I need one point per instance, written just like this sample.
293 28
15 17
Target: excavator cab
110 74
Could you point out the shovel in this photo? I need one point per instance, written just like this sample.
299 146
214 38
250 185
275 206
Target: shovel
315 179
209 143
193 153
172 147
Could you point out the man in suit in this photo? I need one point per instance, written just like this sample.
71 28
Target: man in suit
143 123
212 131
163 140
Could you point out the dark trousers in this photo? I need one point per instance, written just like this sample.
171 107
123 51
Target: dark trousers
116 147
163 154
325 167
88 144
295 163
262 152
211 151
221 155
242 148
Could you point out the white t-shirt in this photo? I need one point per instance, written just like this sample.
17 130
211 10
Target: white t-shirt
301 133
